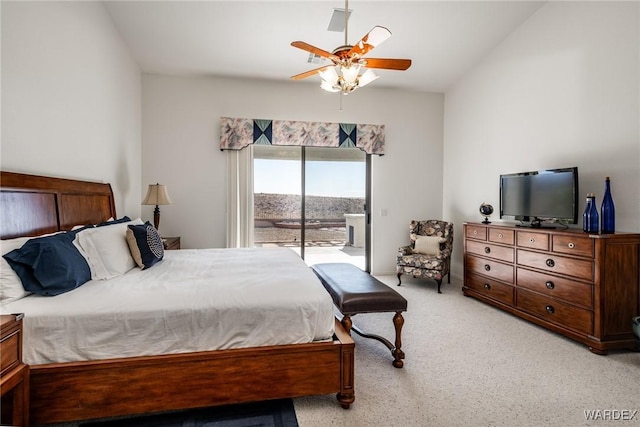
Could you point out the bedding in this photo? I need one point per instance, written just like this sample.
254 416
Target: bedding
145 244
50 265
192 300
11 288
106 250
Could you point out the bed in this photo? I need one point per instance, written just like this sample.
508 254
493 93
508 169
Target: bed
122 379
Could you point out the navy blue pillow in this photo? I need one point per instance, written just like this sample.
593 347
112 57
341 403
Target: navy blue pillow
115 221
50 265
145 244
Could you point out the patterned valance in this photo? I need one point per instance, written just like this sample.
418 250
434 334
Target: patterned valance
235 134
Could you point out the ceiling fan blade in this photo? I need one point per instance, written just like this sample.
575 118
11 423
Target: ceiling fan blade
387 63
314 50
310 72
372 39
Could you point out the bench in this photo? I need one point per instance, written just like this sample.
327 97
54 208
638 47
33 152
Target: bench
355 291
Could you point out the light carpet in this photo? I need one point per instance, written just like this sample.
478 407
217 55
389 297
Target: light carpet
470 364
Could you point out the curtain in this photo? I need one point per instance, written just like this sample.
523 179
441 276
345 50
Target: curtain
237 133
240 198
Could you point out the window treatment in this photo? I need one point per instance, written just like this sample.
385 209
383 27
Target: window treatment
240 198
237 133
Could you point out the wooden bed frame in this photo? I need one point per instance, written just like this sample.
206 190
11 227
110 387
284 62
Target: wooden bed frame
31 205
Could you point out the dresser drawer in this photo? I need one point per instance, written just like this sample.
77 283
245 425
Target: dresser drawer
477 232
490 268
490 288
579 268
565 315
9 352
567 290
501 253
533 240
497 235
573 245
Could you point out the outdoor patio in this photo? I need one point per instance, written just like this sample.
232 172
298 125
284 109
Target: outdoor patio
322 245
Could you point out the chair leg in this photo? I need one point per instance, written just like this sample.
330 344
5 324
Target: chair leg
449 277
399 281
439 283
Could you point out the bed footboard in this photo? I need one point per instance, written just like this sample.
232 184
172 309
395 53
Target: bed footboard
96 389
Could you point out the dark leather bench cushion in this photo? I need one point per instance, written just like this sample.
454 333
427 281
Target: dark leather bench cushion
356 291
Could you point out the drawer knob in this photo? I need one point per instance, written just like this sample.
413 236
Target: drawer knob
571 245
487 267
550 262
550 309
550 285
487 286
475 232
532 240
500 235
487 250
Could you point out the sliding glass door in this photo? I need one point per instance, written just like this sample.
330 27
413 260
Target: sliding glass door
334 205
312 200
277 196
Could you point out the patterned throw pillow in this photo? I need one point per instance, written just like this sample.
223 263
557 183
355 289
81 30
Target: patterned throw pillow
145 244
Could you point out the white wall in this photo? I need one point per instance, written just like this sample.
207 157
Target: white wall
561 90
71 97
181 150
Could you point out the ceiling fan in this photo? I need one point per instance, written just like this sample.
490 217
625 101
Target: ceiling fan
343 74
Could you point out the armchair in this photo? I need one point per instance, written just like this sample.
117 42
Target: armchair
428 256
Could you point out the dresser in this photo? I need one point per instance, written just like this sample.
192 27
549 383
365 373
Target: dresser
583 286
14 375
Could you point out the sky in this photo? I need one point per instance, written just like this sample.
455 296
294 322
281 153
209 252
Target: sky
335 179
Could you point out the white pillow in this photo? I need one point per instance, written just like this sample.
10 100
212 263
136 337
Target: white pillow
106 249
10 285
427 245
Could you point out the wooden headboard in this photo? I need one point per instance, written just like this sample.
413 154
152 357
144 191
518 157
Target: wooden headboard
31 205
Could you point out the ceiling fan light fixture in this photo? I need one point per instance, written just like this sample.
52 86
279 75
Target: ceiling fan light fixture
350 73
329 75
367 77
329 87
344 75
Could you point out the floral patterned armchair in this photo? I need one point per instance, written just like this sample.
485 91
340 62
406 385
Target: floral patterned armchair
428 256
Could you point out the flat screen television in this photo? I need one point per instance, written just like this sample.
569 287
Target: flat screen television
549 195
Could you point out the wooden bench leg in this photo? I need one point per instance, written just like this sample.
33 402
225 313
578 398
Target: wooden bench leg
396 350
347 323
398 354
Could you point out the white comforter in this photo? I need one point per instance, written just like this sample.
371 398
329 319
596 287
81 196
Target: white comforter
194 300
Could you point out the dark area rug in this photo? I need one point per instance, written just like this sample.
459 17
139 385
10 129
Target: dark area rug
273 413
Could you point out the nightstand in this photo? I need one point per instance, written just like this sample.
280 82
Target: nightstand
14 375
171 243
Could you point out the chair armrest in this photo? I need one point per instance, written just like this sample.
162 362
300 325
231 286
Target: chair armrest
445 253
404 251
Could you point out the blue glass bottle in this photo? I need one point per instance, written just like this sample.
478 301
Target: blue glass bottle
608 210
590 215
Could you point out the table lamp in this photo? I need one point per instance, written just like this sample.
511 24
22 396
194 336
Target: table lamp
157 195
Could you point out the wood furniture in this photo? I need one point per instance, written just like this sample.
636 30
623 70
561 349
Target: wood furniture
171 243
14 375
583 286
355 291
32 205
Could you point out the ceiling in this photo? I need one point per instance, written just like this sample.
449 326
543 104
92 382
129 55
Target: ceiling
251 39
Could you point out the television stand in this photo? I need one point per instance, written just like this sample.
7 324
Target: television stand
537 223
537 226
580 285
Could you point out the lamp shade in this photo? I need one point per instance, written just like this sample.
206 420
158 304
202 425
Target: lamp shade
157 195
